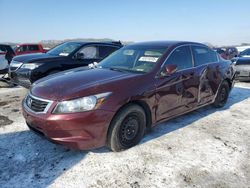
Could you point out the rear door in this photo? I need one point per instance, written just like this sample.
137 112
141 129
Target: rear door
177 92
94 53
208 70
90 55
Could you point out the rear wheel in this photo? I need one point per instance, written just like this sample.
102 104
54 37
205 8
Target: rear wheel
222 95
127 128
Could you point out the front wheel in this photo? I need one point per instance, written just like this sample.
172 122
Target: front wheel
127 128
222 95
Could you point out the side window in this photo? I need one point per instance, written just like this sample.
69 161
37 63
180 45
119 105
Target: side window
23 48
181 57
203 55
105 51
33 48
89 52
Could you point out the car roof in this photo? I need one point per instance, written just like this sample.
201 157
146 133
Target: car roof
114 43
164 43
28 44
4 45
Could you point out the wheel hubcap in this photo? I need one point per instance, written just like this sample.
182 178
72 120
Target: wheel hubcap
129 129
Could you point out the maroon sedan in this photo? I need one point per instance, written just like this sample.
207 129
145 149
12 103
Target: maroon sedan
132 90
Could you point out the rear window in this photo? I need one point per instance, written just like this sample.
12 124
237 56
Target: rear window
203 55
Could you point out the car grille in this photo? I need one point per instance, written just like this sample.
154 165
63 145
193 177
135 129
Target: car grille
36 104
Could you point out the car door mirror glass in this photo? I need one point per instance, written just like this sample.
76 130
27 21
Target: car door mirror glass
168 70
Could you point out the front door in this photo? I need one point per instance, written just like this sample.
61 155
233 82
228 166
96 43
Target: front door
177 93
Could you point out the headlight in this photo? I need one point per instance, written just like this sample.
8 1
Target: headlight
15 64
29 66
81 104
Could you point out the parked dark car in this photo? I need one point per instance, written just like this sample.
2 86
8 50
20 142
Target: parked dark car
222 52
242 65
26 69
232 52
130 91
227 53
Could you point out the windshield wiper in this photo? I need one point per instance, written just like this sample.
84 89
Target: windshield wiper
117 69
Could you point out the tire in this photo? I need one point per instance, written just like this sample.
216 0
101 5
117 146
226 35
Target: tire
222 95
127 128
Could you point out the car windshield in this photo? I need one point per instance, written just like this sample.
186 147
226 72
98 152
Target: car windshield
64 49
133 59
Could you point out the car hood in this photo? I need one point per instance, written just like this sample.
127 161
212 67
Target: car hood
77 83
37 57
243 61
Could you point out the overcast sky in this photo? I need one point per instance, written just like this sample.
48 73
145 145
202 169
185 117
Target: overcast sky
222 22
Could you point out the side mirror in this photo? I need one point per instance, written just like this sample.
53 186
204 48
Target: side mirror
169 69
80 56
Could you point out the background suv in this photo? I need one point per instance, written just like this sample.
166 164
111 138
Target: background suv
26 69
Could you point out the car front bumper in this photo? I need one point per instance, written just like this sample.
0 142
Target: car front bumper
85 130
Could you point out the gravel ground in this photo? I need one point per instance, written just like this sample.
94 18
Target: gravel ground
205 148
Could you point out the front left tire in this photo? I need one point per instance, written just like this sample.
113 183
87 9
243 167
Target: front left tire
127 128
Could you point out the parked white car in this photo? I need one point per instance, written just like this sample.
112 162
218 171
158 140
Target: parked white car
3 63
